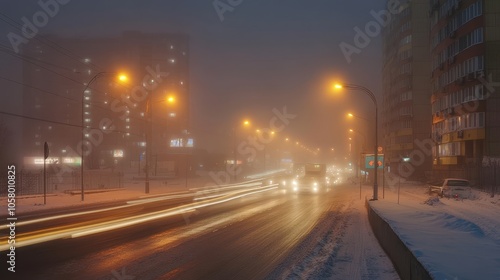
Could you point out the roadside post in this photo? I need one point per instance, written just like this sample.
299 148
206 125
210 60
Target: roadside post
45 156
492 163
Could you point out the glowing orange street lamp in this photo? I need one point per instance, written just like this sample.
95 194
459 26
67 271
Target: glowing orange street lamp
171 99
245 123
374 99
121 78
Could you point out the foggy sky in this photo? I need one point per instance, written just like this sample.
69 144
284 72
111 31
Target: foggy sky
263 55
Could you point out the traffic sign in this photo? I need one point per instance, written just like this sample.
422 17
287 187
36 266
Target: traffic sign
370 161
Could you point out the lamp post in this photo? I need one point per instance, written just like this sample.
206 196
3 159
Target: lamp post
149 136
235 157
363 136
93 79
351 115
149 131
374 99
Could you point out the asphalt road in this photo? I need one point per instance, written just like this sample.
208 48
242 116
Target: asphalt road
249 235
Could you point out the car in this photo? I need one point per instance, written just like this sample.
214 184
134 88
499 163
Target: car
452 187
309 184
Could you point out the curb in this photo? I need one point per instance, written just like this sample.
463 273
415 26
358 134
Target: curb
406 264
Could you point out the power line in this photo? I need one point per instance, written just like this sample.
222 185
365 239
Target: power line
23 57
94 104
46 41
37 88
62 123
12 53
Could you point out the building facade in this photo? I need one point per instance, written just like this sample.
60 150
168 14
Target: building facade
116 116
406 91
465 49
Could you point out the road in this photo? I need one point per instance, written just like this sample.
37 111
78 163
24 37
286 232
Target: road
262 233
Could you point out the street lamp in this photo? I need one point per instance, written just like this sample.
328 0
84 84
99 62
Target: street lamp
361 134
351 115
374 99
121 78
245 123
170 99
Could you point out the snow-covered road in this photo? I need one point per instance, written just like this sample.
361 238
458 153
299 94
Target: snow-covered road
342 246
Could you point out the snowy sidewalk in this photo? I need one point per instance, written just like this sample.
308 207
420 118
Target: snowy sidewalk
451 239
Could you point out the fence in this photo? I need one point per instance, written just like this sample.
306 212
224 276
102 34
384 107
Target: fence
31 182
484 178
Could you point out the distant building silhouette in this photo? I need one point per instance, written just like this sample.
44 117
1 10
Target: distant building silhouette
56 70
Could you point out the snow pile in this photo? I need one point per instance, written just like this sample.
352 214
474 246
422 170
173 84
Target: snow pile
433 201
453 239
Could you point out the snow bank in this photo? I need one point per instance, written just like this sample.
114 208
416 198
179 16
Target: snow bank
453 239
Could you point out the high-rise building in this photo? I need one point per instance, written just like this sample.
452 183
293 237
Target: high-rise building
465 46
115 115
406 90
